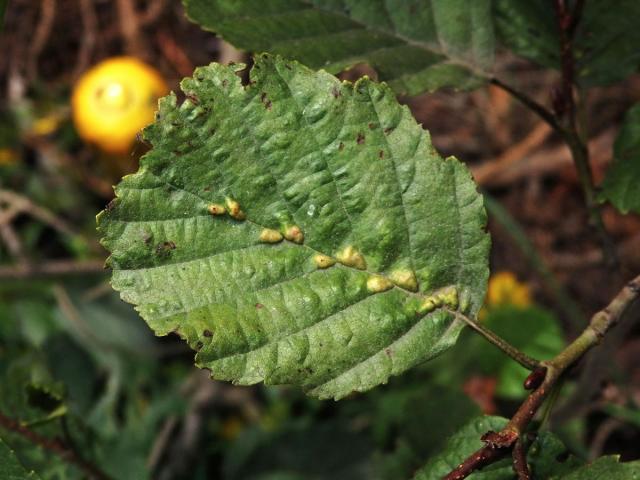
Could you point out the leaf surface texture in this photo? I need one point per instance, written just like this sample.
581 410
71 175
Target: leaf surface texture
384 239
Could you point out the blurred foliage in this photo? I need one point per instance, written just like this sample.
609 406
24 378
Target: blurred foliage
622 180
78 365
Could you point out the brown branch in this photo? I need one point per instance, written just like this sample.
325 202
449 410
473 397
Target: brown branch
487 171
567 24
499 444
520 461
55 446
18 203
152 13
483 457
530 103
89 36
41 36
129 28
174 54
50 268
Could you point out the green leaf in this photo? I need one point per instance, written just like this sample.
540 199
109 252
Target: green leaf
547 458
605 42
605 467
460 446
414 46
10 466
412 442
620 186
301 452
386 239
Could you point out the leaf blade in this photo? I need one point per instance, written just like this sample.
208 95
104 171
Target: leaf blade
10 466
344 166
415 47
603 42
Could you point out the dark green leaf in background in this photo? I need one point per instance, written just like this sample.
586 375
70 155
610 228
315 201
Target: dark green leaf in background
462 444
621 186
547 458
415 45
605 44
383 238
608 468
10 466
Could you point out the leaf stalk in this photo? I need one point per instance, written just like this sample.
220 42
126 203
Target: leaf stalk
522 358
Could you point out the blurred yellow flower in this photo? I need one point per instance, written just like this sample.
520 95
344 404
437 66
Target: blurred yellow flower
8 156
505 289
46 125
231 428
114 100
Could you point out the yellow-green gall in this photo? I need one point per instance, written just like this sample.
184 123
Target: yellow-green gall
351 257
429 305
323 261
405 278
234 209
216 209
294 234
377 284
269 235
449 297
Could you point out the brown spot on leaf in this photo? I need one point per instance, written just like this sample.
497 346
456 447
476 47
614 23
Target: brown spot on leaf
259 305
381 154
388 130
207 333
163 248
341 146
335 91
371 126
360 139
265 101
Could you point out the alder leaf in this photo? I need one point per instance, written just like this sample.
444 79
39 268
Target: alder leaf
547 458
10 466
298 230
415 46
462 444
620 185
605 42
608 467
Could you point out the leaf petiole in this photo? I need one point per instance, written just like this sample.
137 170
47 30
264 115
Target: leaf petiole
522 358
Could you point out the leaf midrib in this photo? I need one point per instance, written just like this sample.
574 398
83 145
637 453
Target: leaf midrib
419 295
